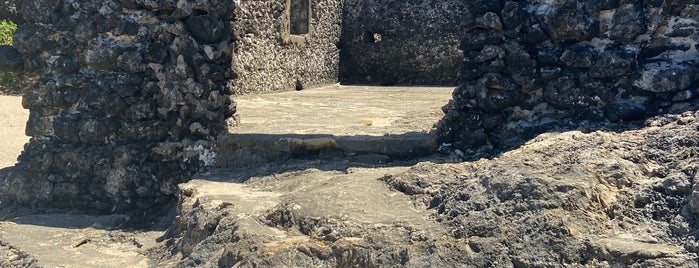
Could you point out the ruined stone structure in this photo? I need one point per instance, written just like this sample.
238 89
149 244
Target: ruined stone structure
399 42
535 66
9 11
128 95
126 98
286 44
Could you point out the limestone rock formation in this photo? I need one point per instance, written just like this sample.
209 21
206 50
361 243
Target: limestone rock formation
600 199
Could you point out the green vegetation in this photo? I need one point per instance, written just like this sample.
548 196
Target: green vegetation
7 28
9 82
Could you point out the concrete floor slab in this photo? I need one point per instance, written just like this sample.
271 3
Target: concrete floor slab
393 121
71 240
343 111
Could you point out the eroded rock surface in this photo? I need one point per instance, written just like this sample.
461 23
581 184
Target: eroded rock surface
598 199
595 199
12 257
626 197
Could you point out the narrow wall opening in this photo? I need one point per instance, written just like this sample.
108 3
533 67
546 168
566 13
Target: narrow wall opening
13 117
300 18
372 37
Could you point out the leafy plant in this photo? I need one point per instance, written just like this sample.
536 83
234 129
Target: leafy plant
9 82
7 28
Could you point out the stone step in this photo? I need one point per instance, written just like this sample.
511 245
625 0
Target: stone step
345 121
240 150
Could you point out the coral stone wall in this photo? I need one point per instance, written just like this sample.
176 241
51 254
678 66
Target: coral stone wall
398 42
126 98
534 66
9 11
269 58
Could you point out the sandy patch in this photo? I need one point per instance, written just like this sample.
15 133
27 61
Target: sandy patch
13 119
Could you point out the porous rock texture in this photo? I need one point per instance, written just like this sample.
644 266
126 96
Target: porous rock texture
10 12
536 66
127 96
13 257
269 58
399 42
622 198
11 60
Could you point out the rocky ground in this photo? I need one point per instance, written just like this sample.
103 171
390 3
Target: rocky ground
604 196
607 198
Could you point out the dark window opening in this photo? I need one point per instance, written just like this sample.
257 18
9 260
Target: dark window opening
198 12
370 37
299 14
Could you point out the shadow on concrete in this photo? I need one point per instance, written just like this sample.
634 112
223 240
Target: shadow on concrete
74 221
323 160
155 219
244 156
245 150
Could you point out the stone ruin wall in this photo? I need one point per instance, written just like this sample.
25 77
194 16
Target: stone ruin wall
127 97
129 94
269 58
398 42
537 66
9 11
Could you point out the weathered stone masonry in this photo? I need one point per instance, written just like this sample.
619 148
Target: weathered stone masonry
269 56
536 66
398 42
127 96
130 95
